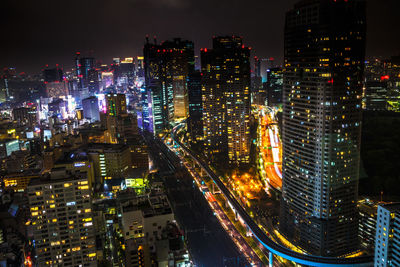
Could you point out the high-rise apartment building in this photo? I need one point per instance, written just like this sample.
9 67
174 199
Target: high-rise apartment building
195 123
61 215
323 70
387 240
226 98
167 67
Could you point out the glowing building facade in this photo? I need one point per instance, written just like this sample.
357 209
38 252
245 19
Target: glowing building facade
195 122
387 236
226 99
323 71
167 67
61 215
91 109
116 104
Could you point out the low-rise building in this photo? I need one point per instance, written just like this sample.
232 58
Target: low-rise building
150 232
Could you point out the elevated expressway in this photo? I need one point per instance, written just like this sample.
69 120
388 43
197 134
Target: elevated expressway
262 237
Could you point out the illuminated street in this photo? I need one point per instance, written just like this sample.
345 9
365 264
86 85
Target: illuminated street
270 146
219 212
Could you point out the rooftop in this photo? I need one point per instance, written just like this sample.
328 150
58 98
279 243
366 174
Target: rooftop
58 175
151 205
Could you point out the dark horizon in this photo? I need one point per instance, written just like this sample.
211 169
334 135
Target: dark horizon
40 33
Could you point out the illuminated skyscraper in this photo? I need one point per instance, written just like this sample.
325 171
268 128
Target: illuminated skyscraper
180 63
323 70
91 109
87 73
56 86
167 67
274 86
258 93
226 98
53 75
116 104
195 123
387 236
157 99
62 223
139 67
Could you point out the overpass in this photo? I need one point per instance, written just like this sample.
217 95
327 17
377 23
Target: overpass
262 237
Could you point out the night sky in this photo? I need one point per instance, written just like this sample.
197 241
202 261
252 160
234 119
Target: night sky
39 32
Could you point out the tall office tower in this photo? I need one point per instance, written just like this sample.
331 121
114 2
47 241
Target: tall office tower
257 67
107 80
167 67
78 64
195 123
62 220
387 236
323 58
157 98
274 86
126 72
56 86
257 90
53 75
139 66
90 107
87 73
116 104
179 63
265 64
90 75
226 99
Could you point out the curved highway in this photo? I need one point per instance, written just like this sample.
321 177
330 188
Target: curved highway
273 247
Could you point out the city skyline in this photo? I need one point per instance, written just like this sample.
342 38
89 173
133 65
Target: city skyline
30 41
271 144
